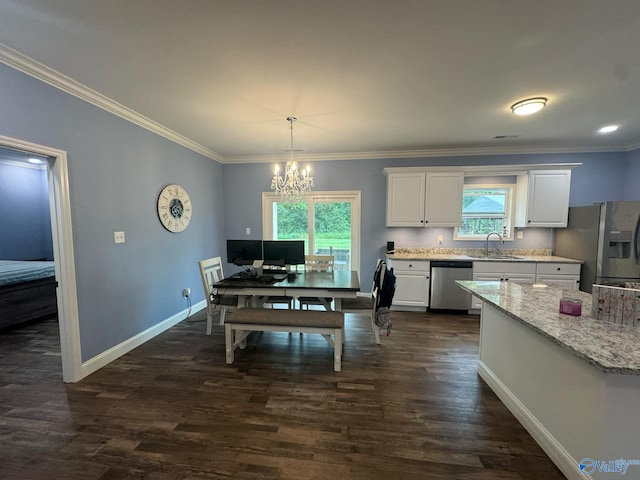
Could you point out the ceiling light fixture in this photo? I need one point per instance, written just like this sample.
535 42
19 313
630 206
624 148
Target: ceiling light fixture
295 184
608 129
529 106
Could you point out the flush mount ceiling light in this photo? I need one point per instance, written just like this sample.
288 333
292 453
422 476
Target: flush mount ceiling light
608 129
529 106
295 184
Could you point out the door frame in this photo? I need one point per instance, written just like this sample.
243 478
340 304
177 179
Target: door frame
63 254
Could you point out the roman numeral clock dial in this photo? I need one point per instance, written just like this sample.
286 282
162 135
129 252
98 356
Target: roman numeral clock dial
174 208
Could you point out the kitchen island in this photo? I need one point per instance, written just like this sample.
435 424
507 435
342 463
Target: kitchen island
573 382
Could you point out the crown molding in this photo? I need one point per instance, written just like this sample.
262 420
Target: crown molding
426 153
56 79
632 147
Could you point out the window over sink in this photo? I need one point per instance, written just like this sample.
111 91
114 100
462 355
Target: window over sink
486 209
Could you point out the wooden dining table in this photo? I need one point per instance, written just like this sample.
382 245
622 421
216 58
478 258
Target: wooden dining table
323 285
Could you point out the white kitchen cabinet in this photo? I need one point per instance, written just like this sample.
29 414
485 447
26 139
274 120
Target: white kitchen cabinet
419 199
542 198
519 272
412 284
565 275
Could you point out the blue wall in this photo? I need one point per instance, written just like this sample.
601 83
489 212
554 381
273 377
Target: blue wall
632 179
24 216
116 171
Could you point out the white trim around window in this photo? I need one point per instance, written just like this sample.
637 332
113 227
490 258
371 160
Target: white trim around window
509 212
353 196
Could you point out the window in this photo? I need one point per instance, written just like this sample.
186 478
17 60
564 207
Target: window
486 209
328 222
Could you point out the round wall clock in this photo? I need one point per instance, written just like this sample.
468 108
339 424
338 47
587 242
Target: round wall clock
174 208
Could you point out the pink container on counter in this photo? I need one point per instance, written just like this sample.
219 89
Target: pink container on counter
571 306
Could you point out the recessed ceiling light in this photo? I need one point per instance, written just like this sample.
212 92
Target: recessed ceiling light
529 106
608 129
36 161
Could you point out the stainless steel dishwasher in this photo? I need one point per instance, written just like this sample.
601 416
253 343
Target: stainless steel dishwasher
445 293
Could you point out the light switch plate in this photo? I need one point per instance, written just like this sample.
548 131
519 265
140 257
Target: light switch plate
118 237
247 230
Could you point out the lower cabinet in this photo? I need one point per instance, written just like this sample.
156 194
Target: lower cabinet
412 283
565 275
519 272
412 278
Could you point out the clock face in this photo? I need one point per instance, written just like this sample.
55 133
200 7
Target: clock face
174 208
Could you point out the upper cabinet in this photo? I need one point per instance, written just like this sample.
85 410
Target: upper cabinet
419 199
542 198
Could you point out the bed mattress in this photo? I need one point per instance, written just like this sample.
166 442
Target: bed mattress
16 271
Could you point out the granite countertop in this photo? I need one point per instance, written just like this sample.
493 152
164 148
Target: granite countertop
609 347
476 255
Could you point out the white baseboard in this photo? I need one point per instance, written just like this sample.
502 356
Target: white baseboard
117 351
557 453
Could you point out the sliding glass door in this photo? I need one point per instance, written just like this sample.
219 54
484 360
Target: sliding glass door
328 222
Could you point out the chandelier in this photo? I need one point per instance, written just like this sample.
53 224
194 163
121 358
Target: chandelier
294 184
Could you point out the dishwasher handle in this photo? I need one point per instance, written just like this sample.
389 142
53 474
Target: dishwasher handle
451 264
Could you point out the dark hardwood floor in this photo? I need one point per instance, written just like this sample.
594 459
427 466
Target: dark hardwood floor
411 408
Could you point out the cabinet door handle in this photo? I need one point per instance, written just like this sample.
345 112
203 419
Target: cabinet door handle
506 279
558 269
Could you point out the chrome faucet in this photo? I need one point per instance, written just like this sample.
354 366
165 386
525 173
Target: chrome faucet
486 244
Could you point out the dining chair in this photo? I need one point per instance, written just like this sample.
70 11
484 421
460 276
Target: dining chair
279 300
316 263
211 273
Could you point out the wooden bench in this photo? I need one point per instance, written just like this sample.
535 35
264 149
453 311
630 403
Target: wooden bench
243 321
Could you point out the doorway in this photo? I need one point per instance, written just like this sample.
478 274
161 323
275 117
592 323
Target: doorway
328 222
61 232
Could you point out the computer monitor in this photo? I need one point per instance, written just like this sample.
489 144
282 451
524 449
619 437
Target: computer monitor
244 252
283 252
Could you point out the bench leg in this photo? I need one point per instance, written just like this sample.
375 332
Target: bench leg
337 350
228 343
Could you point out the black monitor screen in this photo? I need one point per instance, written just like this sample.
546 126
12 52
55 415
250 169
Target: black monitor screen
244 252
283 252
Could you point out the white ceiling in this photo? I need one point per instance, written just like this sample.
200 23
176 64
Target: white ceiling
364 77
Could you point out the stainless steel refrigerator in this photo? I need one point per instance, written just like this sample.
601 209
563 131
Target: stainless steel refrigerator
606 238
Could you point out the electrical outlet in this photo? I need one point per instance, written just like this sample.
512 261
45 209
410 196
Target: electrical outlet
520 234
440 239
186 293
118 237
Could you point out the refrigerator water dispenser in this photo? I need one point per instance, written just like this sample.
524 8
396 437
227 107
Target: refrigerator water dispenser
620 244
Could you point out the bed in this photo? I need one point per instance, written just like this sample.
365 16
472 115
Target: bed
27 291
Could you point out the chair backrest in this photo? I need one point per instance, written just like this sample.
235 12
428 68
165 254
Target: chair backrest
319 263
210 273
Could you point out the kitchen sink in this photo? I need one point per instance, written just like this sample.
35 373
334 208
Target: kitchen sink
495 257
